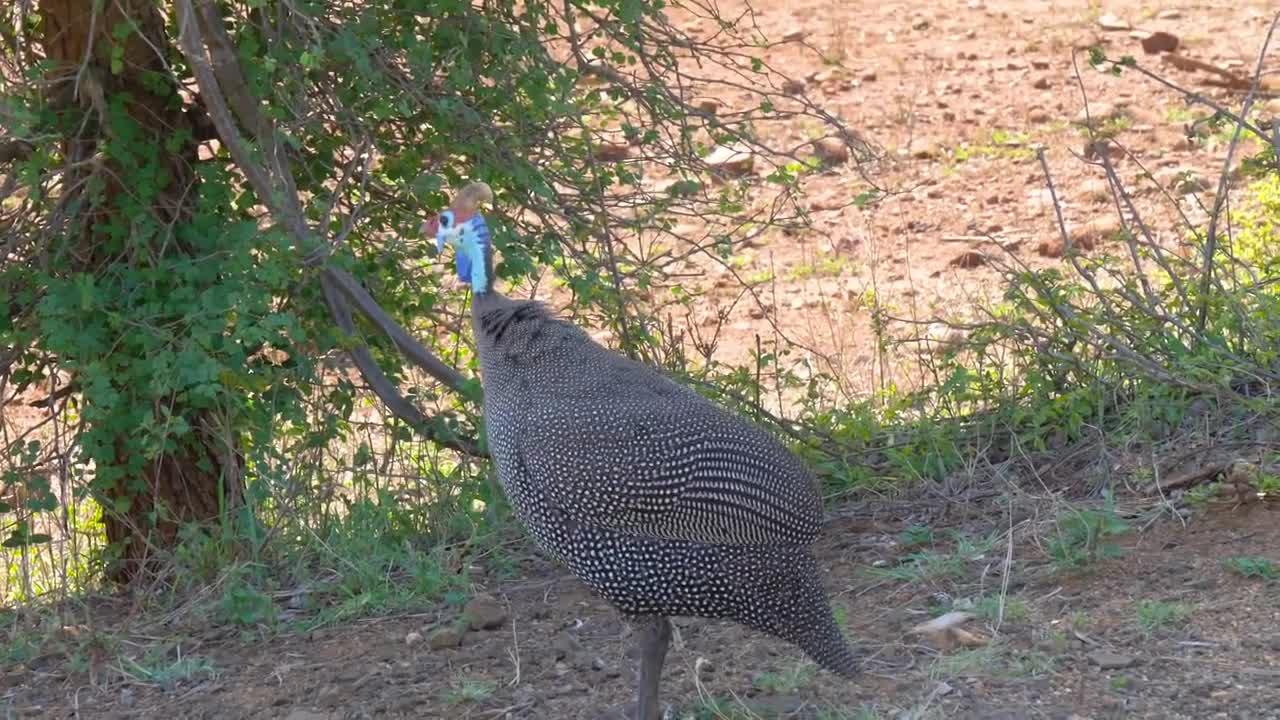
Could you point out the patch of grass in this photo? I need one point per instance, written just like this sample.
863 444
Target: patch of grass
718 709
916 535
1181 115
166 667
469 691
824 265
1154 616
999 144
1113 126
841 616
1015 608
1267 485
1254 568
974 661
938 565
1085 536
1201 494
926 565
785 683
1061 643
1031 664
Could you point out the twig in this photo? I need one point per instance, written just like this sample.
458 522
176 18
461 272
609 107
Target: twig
1221 196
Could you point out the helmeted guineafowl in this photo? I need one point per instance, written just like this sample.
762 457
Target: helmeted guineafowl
659 500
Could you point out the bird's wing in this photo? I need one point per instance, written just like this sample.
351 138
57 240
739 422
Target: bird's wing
633 451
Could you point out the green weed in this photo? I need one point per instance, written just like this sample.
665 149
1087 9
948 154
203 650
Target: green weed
469 691
787 682
1254 568
1085 536
1156 616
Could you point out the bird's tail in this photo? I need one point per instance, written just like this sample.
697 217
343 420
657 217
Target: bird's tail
797 609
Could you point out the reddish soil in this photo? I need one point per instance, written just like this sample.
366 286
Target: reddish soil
558 652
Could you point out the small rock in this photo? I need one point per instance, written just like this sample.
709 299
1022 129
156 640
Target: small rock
925 152
1098 149
826 203
1108 660
756 312
1169 15
413 638
1042 83
831 151
484 613
445 638
1094 232
1099 113
794 35
1182 181
566 645
1040 64
793 86
1160 42
968 260
612 151
1097 190
730 160
1038 115
1049 248
869 76
708 105
1111 23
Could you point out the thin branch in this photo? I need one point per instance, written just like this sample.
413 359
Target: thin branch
382 386
1221 196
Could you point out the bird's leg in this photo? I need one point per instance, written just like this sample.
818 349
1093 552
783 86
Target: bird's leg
655 637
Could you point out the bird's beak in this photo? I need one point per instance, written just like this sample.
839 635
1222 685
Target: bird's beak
443 236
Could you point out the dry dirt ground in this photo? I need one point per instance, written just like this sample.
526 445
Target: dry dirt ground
958 93
1163 630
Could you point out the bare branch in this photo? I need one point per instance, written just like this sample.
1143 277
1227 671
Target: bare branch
411 348
382 385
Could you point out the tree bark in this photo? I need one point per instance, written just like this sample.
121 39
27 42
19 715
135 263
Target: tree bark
202 481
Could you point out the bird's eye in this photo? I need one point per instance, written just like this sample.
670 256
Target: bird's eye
446 220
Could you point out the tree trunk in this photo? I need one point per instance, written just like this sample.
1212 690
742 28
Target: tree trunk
146 501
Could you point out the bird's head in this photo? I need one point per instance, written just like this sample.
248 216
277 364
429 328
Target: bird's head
462 227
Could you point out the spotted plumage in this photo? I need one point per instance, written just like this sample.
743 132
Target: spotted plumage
659 500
